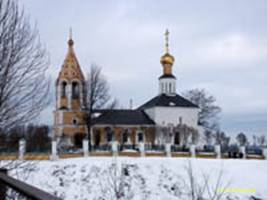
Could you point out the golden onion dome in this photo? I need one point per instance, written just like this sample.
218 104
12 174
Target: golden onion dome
167 59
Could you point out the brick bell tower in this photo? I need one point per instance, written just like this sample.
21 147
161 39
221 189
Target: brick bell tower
70 114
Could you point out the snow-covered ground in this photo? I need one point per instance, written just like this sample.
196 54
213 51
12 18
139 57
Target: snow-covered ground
149 178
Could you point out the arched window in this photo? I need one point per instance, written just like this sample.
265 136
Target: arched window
140 137
75 90
125 136
170 88
63 89
177 138
109 134
97 138
74 121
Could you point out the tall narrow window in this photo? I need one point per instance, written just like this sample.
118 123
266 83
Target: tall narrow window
125 136
140 137
109 134
75 90
177 138
170 88
63 89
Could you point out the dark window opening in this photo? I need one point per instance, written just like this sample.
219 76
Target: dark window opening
109 134
75 90
97 138
177 138
140 137
63 89
125 136
78 139
75 121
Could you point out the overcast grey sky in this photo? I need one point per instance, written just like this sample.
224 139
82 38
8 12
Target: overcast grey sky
218 45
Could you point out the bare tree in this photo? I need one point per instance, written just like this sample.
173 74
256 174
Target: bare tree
121 181
98 94
209 111
261 140
208 137
190 185
221 138
186 133
241 139
201 188
23 63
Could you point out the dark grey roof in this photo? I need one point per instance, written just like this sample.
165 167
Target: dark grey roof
168 101
123 117
167 76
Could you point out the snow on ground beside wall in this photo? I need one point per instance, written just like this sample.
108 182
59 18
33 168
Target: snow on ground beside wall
147 178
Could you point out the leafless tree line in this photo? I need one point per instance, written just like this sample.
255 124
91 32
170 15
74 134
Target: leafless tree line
23 63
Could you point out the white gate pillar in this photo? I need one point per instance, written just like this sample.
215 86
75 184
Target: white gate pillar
218 151
22 148
193 151
142 149
114 148
54 155
242 149
85 148
168 150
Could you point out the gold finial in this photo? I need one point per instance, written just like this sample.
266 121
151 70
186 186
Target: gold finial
167 41
70 42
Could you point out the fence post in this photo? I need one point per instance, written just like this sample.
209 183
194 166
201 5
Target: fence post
218 151
22 148
264 151
193 150
54 155
142 149
3 186
242 149
114 148
168 150
85 148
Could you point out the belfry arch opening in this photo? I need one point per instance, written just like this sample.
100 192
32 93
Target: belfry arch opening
75 90
63 89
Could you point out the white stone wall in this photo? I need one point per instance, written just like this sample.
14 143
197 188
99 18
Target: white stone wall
172 115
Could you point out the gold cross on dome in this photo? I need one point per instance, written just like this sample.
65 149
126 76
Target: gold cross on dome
167 41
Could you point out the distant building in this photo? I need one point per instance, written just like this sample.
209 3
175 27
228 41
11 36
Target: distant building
168 117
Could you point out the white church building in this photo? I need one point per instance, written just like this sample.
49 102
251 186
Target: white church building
167 116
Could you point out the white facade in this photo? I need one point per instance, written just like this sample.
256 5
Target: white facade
174 115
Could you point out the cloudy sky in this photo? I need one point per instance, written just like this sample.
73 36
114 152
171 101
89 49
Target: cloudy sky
218 45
